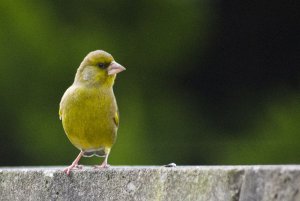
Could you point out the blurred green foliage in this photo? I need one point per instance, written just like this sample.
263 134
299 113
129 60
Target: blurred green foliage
205 83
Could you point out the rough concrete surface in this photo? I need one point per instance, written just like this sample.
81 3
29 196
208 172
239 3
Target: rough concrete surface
207 183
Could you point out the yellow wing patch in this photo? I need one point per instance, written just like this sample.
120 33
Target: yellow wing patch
116 119
60 113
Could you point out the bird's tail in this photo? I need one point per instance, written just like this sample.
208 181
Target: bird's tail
94 152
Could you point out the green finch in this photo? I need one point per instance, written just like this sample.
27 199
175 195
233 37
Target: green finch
88 108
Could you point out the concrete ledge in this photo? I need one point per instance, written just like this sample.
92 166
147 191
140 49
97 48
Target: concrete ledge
234 183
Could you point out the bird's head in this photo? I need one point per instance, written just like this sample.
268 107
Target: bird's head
98 68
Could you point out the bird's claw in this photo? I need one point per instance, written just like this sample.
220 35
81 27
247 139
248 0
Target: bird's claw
102 166
68 169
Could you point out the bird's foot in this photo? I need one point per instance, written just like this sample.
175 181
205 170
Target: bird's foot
102 166
73 166
68 169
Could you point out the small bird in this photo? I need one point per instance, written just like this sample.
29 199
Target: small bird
88 108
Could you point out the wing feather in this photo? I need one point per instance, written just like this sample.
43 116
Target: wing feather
116 118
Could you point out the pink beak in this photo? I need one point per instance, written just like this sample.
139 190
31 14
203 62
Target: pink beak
115 68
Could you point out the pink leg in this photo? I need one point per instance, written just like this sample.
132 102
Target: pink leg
104 163
74 164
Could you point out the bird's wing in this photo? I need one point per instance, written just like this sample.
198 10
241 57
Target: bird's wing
67 93
116 118
60 113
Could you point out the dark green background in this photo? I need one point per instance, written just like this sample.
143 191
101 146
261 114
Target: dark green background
207 82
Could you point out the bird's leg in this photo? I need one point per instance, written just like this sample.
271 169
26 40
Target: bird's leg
74 164
104 163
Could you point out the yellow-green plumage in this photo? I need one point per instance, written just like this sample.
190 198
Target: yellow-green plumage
88 108
90 126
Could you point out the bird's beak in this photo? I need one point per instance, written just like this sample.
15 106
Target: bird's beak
115 68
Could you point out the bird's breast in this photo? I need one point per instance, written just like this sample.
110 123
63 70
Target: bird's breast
88 117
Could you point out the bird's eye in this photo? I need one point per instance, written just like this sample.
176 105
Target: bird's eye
101 65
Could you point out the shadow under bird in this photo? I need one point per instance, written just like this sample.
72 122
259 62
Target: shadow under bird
88 108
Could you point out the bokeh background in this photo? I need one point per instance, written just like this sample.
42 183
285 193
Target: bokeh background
207 82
